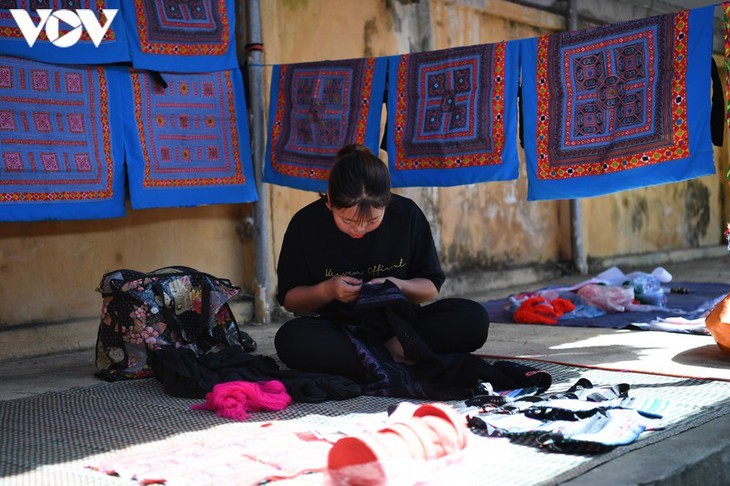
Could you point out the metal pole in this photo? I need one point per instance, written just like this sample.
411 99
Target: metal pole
262 298
572 14
576 213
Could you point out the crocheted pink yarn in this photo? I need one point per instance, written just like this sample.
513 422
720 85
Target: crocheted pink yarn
234 399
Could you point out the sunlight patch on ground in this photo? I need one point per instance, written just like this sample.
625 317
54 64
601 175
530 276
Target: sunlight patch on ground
655 352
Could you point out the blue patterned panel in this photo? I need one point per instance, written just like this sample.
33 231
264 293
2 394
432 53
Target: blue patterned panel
453 115
316 109
61 155
182 35
187 144
615 89
619 106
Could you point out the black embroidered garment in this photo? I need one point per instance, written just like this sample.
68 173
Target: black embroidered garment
384 312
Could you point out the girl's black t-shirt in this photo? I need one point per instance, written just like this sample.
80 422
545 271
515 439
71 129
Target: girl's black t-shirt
314 249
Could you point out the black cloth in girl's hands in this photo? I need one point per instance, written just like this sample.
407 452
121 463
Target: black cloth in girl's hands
384 312
373 294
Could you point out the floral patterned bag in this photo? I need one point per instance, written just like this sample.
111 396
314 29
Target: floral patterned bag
169 307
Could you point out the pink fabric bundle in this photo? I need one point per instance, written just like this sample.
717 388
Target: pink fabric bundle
234 399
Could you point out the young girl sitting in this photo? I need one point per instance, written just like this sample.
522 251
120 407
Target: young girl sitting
359 233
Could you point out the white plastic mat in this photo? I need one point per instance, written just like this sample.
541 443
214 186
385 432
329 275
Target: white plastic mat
133 427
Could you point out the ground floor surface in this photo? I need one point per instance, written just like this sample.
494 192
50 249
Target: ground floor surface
700 455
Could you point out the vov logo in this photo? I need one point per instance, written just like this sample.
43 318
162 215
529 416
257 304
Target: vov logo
79 20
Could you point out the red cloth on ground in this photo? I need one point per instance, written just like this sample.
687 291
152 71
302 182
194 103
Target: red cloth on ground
539 310
562 306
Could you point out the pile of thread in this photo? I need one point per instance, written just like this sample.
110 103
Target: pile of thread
235 399
414 432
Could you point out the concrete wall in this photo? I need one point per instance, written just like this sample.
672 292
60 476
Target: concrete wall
484 226
485 232
50 270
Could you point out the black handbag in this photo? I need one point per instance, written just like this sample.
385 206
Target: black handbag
170 307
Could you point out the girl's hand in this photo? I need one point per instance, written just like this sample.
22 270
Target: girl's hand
344 289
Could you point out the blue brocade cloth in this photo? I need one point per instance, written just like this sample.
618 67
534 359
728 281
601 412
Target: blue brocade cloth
316 109
187 144
618 107
182 37
61 151
452 115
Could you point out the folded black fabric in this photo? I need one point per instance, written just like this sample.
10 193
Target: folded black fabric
526 375
183 374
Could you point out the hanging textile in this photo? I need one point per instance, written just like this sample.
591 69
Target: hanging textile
452 116
618 107
71 46
187 143
182 36
61 153
316 109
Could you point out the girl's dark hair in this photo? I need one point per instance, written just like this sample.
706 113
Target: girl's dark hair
360 179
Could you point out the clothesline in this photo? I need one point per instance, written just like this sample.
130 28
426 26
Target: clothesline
610 121
648 7
601 114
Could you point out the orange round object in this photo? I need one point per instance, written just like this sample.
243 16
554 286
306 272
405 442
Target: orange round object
718 323
356 461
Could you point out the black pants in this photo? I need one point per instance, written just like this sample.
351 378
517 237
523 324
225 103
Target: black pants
318 344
